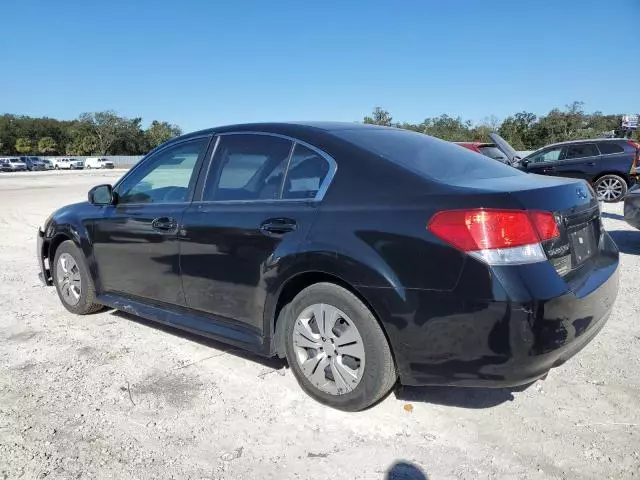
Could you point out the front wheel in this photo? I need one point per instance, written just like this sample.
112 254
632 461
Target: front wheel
72 279
337 349
611 188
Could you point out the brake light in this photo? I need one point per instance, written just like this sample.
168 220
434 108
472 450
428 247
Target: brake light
636 159
496 236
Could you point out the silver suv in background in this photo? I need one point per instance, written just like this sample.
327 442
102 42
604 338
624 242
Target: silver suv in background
12 164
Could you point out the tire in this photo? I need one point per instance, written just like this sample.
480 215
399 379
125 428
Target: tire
74 286
373 375
611 188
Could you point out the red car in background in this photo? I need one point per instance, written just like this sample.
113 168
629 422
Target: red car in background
487 149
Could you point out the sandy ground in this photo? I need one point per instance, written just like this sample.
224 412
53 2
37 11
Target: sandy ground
113 396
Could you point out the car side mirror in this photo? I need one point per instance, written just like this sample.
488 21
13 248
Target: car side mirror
524 163
102 195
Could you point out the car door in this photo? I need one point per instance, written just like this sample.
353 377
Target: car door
256 206
544 162
580 160
135 241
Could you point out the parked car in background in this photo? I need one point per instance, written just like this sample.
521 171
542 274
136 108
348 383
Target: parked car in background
33 163
47 164
68 164
98 162
439 266
610 165
632 207
490 150
486 149
13 164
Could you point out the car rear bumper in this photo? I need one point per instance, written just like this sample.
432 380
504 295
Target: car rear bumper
449 340
42 248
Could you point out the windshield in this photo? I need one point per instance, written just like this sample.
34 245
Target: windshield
493 152
426 156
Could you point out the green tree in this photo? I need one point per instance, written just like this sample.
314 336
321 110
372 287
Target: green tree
106 127
47 145
160 132
24 145
379 117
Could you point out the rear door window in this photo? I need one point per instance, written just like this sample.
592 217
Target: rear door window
581 150
608 148
248 167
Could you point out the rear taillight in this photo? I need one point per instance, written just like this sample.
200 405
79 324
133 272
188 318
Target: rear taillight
636 158
498 237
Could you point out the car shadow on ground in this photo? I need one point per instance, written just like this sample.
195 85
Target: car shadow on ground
628 241
462 397
613 216
404 470
223 348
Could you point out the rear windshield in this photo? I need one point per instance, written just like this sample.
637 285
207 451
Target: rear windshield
427 156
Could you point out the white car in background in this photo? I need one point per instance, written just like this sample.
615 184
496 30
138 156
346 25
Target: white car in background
67 163
98 162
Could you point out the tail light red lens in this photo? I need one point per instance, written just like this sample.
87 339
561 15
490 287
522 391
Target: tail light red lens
487 229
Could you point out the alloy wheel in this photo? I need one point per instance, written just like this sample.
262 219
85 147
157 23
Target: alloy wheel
329 349
68 279
610 189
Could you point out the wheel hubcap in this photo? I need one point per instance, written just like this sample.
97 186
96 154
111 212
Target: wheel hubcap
329 349
68 279
609 189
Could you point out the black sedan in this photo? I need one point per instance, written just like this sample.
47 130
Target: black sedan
632 206
362 254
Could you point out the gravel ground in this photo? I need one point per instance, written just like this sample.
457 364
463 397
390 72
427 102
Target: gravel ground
114 396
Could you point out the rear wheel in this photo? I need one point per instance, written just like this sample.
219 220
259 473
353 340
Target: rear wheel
611 188
73 283
336 348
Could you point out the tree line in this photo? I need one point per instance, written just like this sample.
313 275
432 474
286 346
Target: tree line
106 133
99 133
523 130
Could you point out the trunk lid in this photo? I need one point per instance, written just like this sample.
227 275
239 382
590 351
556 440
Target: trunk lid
573 204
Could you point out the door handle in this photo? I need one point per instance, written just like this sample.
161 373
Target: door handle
278 226
591 164
164 224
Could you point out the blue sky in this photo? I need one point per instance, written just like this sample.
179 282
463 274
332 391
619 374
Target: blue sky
217 62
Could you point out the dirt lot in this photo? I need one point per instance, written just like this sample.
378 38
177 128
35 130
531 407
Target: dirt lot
113 396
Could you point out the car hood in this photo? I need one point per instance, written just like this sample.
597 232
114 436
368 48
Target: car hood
505 148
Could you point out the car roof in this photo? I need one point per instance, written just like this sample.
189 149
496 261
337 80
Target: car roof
280 127
584 140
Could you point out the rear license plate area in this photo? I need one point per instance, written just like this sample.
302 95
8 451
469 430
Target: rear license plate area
583 243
